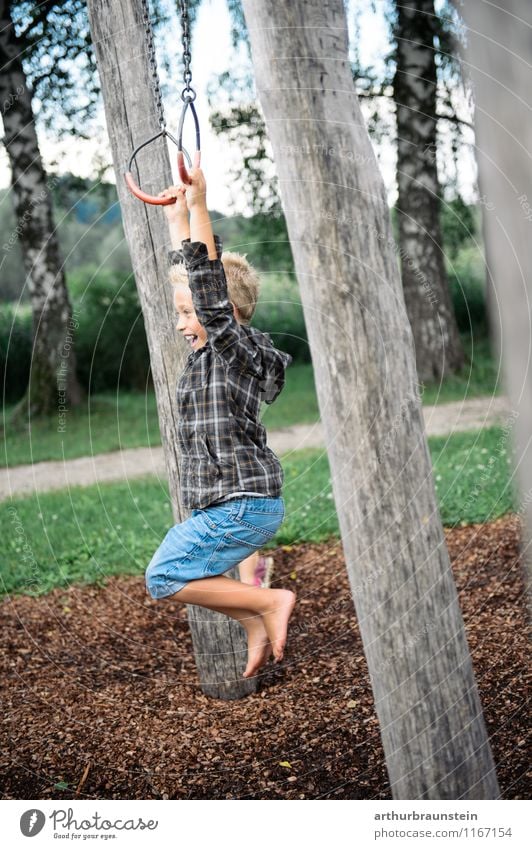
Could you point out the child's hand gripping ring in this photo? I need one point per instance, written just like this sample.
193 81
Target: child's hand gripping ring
137 191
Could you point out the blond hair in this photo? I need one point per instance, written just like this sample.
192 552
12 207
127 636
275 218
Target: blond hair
243 282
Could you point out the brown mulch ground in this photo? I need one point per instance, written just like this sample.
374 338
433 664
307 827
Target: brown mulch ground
101 692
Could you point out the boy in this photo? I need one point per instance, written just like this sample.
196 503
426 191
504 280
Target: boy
229 477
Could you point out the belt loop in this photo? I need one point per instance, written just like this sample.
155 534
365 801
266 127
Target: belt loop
242 507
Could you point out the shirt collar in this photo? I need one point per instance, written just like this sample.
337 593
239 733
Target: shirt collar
195 354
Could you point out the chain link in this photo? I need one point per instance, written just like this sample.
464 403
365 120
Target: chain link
188 92
153 63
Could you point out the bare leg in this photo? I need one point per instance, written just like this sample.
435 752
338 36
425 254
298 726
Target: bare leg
220 593
259 647
247 568
256 570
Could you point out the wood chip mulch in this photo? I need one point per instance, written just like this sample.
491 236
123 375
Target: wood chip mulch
101 695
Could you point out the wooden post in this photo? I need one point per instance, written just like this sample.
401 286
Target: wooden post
364 364
120 47
499 54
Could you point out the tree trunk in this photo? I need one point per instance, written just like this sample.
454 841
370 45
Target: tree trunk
425 285
118 38
53 385
364 364
499 56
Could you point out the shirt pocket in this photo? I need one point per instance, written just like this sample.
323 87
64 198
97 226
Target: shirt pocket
195 376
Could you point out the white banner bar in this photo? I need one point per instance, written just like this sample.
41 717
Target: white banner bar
256 825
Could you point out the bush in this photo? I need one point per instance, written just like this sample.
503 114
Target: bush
110 342
279 313
96 246
460 223
263 238
15 349
467 283
111 345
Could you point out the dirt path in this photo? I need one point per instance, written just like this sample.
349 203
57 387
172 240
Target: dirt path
137 462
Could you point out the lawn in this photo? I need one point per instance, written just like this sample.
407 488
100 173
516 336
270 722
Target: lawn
480 376
113 421
90 533
129 420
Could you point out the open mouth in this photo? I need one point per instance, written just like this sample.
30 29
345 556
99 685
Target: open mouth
192 340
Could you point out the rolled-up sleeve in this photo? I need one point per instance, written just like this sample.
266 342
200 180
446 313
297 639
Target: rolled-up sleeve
177 257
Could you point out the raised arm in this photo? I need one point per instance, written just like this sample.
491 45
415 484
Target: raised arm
200 222
176 215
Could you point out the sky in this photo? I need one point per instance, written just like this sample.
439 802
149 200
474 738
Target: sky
213 53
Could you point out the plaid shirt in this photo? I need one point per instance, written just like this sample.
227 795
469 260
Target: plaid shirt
222 444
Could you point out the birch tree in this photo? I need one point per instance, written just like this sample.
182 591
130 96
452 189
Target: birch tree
363 355
428 302
53 385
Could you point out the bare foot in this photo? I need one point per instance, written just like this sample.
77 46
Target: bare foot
259 648
258 655
279 605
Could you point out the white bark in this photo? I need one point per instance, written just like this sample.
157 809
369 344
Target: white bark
53 385
364 364
425 284
499 58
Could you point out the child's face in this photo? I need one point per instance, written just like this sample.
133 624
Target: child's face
188 325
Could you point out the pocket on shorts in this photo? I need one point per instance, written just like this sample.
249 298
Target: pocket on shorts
263 523
248 531
232 549
218 515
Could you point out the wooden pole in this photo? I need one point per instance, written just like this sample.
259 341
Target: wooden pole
120 47
364 364
499 55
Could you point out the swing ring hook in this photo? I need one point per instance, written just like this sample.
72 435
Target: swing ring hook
130 181
188 94
183 173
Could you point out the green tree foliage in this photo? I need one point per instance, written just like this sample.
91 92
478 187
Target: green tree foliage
54 41
241 122
89 227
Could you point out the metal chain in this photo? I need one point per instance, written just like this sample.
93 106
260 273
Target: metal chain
188 92
153 63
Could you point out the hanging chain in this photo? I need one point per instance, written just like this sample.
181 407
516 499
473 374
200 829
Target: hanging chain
188 92
153 63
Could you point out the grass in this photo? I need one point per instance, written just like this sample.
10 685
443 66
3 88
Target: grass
113 421
477 378
129 420
107 423
86 535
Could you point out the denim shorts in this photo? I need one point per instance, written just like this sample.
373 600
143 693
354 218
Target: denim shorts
212 541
